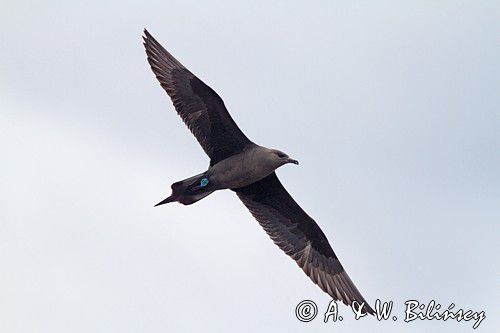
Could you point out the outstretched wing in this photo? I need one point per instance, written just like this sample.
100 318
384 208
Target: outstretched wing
300 237
201 109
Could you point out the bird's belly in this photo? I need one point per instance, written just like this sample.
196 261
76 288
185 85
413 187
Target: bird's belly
235 175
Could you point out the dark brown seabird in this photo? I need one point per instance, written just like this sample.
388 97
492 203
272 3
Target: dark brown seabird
246 168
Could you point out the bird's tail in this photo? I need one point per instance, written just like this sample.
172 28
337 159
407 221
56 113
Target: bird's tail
189 190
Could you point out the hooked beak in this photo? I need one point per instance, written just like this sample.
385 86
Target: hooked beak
291 160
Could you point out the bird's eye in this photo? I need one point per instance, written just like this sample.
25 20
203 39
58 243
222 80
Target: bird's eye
281 155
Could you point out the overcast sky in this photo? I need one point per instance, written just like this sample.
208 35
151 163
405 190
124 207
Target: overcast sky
391 107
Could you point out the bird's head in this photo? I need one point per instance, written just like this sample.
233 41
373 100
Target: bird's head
279 158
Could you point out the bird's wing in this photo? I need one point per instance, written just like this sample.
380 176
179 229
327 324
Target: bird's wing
201 109
300 237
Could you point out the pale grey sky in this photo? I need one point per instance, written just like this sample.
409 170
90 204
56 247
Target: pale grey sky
391 107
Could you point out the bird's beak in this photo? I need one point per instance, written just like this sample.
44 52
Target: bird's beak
291 160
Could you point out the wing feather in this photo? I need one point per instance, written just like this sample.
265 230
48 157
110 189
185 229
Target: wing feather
300 237
198 105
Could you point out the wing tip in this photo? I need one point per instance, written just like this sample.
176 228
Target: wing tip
369 309
154 50
150 43
147 37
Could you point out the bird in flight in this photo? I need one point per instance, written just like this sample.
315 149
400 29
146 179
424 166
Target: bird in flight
238 164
